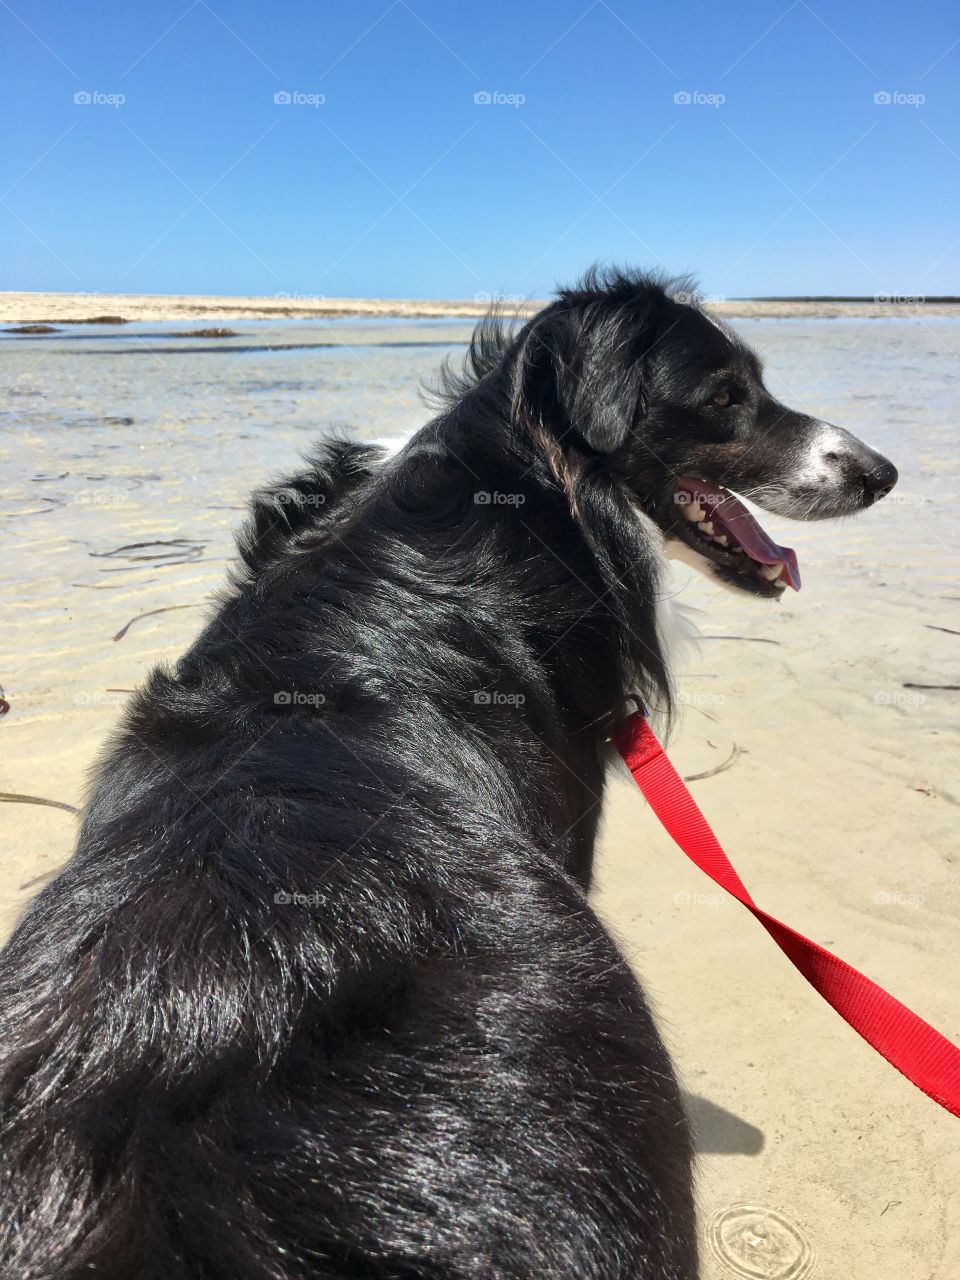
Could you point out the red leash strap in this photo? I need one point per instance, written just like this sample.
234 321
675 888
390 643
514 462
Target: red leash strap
916 1049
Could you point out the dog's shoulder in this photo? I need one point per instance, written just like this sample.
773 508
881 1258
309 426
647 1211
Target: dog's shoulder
306 505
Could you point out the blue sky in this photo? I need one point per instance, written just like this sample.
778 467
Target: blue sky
775 171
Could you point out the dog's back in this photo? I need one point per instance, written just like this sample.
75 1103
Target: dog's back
319 994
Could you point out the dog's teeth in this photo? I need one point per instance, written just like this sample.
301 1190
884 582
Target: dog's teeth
771 571
780 584
721 538
693 511
705 526
737 550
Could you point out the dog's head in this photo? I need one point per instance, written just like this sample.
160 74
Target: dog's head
629 374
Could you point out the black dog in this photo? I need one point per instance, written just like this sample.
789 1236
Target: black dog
320 993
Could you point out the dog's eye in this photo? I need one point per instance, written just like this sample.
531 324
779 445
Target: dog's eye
722 399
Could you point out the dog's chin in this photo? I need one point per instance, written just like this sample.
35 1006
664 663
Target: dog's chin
734 579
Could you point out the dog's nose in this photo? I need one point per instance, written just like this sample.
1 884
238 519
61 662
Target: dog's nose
880 479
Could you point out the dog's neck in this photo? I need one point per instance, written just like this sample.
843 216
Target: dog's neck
587 565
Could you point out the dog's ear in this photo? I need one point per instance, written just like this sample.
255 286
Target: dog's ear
604 393
579 380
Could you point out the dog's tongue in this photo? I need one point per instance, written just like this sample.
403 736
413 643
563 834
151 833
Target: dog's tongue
728 512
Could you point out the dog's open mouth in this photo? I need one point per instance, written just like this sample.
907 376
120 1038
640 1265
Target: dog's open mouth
717 524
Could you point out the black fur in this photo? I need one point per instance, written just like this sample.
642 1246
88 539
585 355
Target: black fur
433 1062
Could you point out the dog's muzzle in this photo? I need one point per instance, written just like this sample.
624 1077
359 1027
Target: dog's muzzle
826 472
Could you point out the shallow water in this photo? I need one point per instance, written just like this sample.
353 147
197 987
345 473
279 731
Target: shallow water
112 436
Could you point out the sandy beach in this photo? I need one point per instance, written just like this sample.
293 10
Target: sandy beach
128 453
83 308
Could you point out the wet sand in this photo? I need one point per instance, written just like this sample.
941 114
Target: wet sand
128 454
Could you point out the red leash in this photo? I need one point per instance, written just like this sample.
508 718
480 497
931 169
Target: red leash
916 1049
